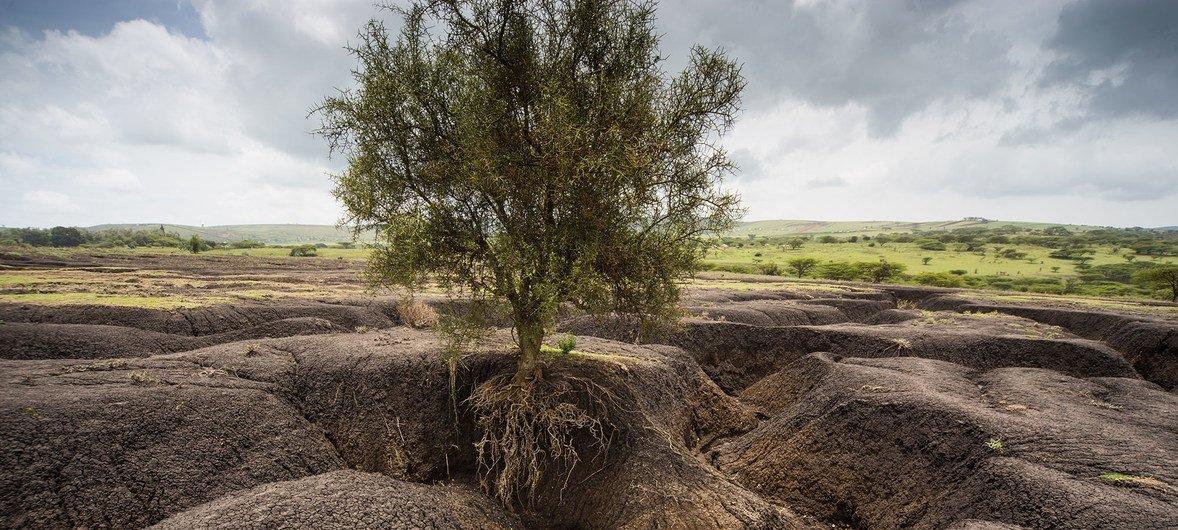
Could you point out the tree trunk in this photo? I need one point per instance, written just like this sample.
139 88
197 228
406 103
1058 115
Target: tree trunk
531 335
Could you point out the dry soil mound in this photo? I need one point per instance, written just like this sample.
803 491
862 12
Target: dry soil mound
125 443
347 499
202 320
20 340
907 442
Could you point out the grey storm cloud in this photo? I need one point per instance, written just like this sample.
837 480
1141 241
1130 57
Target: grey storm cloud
893 56
1124 53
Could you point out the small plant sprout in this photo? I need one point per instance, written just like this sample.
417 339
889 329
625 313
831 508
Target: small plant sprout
566 344
995 445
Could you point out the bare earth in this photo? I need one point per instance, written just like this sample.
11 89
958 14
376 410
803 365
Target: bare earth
235 392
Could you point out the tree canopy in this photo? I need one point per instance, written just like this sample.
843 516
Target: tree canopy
533 153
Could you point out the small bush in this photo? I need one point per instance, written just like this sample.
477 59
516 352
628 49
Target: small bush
304 251
416 314
770 269
566 344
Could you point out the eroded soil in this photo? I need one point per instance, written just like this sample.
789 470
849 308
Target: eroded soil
773 405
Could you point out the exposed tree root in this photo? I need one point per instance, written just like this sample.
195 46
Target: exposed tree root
530 433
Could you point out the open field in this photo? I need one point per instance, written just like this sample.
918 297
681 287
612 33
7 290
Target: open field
203 390
1037 262
780 227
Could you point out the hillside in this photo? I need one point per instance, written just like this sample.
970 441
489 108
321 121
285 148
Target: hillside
790 227
272 234
286 234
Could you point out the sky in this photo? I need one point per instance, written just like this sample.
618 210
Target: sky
196 111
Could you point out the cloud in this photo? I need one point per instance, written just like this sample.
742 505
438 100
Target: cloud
894 57
114 179
826 182
888 109
49 201
1123 54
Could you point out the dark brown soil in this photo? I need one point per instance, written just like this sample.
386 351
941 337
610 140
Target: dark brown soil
777 407
347 499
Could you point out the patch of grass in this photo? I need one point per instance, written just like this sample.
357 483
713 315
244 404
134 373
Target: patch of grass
151 302
1125 479
996 445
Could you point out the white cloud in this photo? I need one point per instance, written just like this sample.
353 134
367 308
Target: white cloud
886 110
48 201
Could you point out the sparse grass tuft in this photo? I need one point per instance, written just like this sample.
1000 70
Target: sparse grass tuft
996 445
142 378
416 314
1125 479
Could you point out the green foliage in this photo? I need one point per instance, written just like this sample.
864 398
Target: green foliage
801 266
1163 278
932 244
535 154
925 260
880 271
246 243
66 236
770 269
304 251
566 344
839 270
195 244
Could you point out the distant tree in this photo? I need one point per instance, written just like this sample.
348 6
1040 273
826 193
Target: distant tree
829 239
1162 277
66 236
795 242
925 260
770 269
839 270
883 239
1129 257
195 244
304 251
800 266
880 271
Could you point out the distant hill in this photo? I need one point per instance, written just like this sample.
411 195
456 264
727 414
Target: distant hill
280 234
791 227
269 234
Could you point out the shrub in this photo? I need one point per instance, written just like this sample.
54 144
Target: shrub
566 344
879 271
939 279
829 239
931 244
959 272
769 269
304 251
416 314
1163 278
838 270
925 260
800 266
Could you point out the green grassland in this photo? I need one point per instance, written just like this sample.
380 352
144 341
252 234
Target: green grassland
784 227
1037 262
271 234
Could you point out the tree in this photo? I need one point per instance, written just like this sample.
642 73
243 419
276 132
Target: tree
66 236
925 260
795 242
1162 277
195 244
880 271
531 153
801 266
